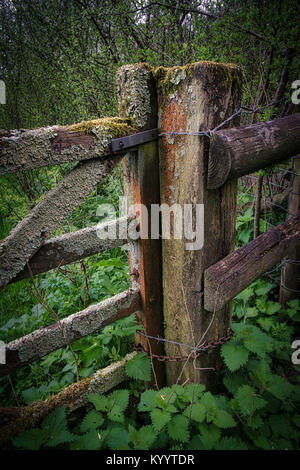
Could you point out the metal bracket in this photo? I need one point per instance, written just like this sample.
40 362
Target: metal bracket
131 141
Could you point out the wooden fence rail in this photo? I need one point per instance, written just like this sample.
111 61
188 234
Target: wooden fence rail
240 151
41 342
227 278
74 246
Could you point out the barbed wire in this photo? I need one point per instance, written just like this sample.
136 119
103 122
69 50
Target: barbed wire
195 351
242 111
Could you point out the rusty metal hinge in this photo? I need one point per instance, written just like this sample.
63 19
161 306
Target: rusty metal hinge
131 141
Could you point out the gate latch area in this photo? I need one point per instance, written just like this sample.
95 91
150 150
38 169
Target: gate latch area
132 141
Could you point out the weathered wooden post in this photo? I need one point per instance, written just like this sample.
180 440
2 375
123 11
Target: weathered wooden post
138 101
192 99
290 272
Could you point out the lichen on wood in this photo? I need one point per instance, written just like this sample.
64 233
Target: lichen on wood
135 85
74 246
71 398
48 339
56 206
35 148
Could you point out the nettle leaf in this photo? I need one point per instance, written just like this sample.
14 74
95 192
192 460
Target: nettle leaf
116 414
196 411
168 394
296 420
31 394
210 406
230 443
281 426
248 400
260 370
159 418
178 428
265 323
118 439
139 367
120 398
234 355
55 428
273 307
210 434
223 419
92 420
92 440
233 382
148 400
279 387
29 440
294 304
100 402
253 338
143 438
193 392
196 443
245 295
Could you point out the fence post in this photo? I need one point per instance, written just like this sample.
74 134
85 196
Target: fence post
290 272
138 101
194 98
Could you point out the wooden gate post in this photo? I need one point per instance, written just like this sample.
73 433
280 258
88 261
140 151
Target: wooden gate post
138 101
290 272
192 99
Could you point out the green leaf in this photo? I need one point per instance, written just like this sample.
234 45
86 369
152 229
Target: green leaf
223 419
31 394
148 400
196 411
210 406
159 418
273 307
178 428
281 426
234 355
116 414
139 367
92 440
120 398
143 438
279 387
193 392
92 420
55 428
248 400
118 439
210 434
100 402
265 323
231 443
29 440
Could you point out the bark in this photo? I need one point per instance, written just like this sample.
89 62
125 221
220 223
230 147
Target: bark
227 278
244 150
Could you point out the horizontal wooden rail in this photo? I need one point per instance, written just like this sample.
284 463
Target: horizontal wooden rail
56 206
71 398
22 150
41 342
74 246
227 278
240 151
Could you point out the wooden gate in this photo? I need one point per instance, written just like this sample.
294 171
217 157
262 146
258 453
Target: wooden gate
194 156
